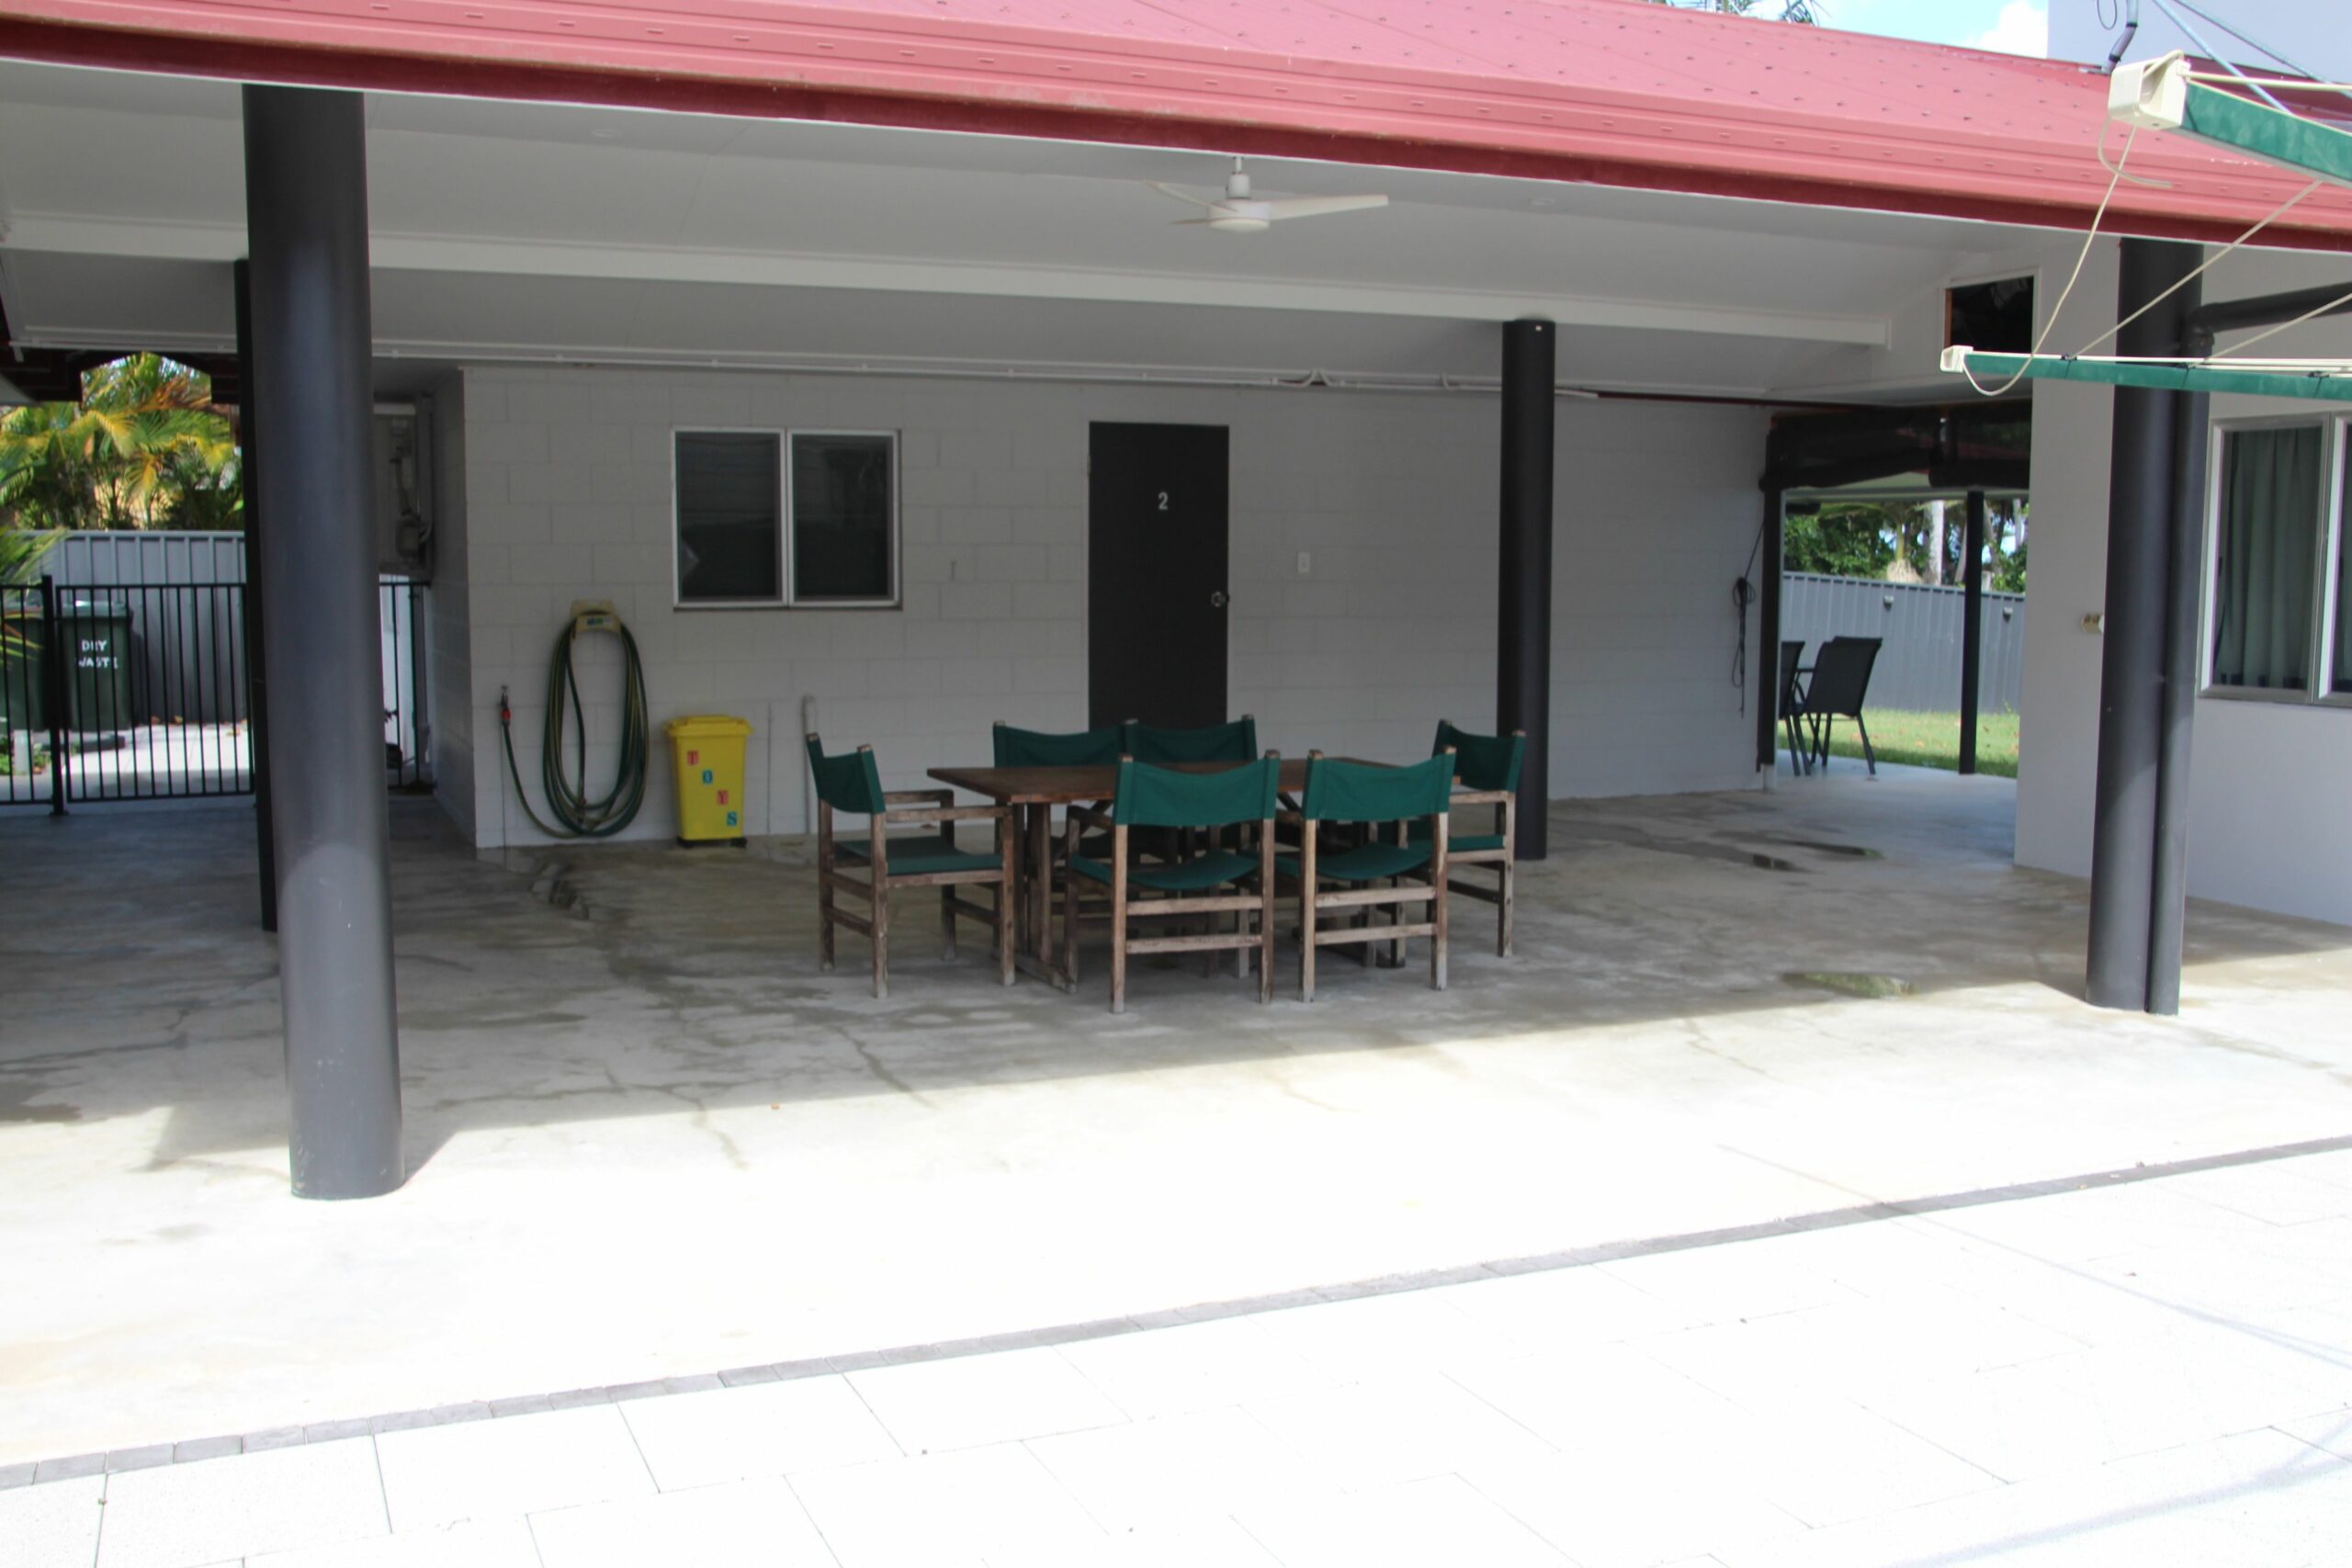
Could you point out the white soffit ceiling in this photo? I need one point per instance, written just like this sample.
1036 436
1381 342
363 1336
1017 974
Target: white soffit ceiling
544 227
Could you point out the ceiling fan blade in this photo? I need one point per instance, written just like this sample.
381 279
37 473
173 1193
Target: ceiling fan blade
1188 222
1181 195
1317 205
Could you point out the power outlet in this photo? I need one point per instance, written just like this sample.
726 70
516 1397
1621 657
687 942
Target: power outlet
1306 564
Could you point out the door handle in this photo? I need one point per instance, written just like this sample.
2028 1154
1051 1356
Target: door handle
1216 600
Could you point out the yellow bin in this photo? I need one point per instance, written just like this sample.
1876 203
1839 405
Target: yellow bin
708 751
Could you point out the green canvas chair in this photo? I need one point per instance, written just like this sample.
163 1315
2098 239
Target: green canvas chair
1193 888
1486 769
850 783
1385 872
1234 742
1017 748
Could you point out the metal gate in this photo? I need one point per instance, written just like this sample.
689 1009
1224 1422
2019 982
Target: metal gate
123 691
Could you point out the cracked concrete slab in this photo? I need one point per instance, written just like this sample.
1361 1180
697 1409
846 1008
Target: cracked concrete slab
650 1141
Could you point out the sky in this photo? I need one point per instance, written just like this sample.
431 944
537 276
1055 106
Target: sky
2014 27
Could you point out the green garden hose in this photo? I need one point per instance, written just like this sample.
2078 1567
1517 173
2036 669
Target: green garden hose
576 816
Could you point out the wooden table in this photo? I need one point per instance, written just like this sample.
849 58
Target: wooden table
1032 793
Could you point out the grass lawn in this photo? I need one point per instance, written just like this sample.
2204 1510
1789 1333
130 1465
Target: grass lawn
1931 739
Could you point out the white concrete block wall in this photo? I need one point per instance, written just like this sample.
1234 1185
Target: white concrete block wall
1394 498
2268 824
1656 512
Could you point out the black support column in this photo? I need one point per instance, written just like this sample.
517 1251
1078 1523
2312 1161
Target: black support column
1523 663
256 677
305 221
2143 503
1768 637
2169 881
1972 631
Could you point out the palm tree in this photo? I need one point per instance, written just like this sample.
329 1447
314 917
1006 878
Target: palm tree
143 446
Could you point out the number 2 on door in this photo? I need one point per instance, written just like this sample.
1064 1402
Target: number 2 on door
1163 501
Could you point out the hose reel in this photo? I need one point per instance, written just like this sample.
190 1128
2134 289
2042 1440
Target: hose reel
577 816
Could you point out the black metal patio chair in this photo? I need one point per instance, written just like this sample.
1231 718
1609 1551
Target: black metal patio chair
1841 680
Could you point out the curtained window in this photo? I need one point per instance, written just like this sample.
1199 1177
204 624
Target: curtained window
2268 582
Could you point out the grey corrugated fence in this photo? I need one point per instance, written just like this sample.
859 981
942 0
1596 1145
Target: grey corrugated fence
1918 666
187 647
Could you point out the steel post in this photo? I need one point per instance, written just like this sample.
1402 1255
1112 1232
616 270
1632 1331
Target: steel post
1768 637
306 220
1972 631
257 678
2168 882
2140 477
1523 663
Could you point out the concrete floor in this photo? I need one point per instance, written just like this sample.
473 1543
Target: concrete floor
649 1139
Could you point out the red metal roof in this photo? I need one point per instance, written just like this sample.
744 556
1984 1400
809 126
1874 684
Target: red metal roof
1612 92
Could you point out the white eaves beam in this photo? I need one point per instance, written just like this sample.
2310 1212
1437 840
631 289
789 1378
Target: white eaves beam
427 252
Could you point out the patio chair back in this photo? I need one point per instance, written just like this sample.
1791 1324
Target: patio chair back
1366 792
1792 655
1162 797
1017 748
1841 676
1481 762
1234 742
846 782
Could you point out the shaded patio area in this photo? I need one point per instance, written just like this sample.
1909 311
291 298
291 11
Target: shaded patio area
649 1139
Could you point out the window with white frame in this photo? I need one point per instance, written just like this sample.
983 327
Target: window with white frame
801 517
2277 625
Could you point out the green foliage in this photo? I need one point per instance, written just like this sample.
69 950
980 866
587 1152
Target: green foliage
145 448
1842 539
1867 539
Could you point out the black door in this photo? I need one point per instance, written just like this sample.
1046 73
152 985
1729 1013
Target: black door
1156 593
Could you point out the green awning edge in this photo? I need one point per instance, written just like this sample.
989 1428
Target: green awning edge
2332 385
2268 133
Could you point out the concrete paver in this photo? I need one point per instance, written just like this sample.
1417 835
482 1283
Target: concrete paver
1767 1436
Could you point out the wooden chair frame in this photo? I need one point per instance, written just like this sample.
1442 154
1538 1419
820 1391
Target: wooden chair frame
1429 886
908 808
1128 904
1502 862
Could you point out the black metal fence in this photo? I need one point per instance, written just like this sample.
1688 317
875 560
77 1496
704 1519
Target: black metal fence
123 691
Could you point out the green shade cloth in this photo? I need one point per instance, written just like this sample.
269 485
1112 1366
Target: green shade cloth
2268 530
1482 761
1235 742
1365 792
2332 385
2307 146
1048 749
1459 843
1212 870
919 856
1365 862
847 783
1162 797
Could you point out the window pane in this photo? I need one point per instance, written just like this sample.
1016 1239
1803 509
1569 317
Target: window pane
727 526
2269 530
843 517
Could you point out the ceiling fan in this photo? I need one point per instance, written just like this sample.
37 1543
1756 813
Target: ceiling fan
1238 212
